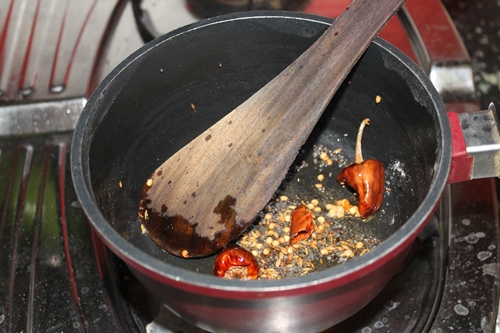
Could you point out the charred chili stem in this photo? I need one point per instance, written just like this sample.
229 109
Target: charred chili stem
358 157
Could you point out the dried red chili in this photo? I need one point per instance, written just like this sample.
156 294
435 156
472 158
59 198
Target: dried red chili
234 262
302 224
365 177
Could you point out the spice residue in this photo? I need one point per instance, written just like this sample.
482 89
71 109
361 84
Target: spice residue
331 243
334 237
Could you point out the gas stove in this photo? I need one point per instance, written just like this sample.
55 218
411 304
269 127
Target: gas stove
57 274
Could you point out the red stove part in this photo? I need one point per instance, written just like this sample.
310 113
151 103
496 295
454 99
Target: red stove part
461 168
393 32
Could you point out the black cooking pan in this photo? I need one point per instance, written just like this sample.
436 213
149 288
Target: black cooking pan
175 87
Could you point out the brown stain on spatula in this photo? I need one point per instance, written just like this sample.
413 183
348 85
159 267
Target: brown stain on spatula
159 226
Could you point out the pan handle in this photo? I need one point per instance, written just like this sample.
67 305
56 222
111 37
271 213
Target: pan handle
145 25
476 144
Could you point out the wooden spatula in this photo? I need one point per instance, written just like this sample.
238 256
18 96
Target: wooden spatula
207 193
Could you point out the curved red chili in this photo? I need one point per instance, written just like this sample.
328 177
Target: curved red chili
234 262
302 224
366 178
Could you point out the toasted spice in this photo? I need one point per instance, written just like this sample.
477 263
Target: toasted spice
331 243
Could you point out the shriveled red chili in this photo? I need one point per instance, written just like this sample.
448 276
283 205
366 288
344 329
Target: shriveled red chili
234 262
366 177
302 224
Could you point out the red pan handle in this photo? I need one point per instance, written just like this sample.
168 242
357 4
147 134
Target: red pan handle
476 144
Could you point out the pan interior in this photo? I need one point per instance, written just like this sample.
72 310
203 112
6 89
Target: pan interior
174 89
